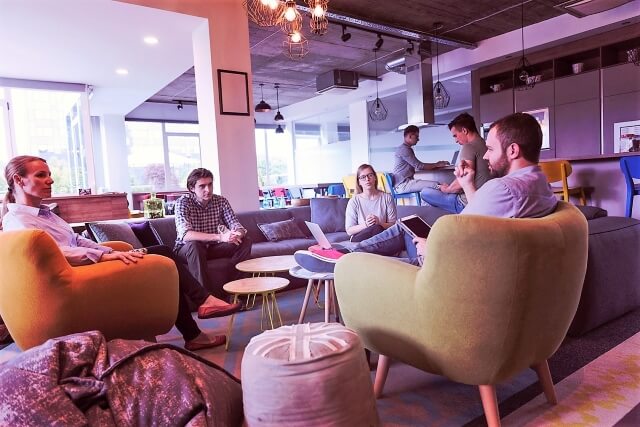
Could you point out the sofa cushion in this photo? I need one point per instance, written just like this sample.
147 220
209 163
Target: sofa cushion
145 232
329 214
281 230
109 231
592 212
166 230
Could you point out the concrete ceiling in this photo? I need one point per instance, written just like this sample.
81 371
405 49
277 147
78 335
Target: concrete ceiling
81 41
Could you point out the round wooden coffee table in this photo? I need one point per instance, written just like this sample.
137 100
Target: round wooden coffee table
268 265
266 287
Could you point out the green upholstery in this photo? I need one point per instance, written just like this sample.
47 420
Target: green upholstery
494 296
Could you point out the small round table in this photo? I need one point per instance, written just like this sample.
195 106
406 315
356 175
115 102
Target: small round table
330 300
267 266
266 287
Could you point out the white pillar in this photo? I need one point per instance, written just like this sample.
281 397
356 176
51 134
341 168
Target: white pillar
359 129
113 141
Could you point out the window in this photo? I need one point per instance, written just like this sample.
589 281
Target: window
48 124
161 155
274 156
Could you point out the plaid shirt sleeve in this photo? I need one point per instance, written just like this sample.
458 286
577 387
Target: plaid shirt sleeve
183 221
230 217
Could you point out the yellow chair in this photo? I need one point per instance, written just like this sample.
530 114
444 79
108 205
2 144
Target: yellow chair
382 182
43 297
479 319
349 182
558 171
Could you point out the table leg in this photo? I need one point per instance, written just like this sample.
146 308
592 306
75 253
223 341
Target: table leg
334 301
306 300
226 346
275 305
249 305
327 301
316 293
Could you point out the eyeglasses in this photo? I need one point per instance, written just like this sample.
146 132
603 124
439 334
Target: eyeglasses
367 176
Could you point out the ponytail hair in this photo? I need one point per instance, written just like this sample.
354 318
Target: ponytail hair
16 166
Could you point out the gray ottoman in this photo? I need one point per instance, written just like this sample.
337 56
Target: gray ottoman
307 375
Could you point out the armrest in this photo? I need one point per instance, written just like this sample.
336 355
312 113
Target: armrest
117 245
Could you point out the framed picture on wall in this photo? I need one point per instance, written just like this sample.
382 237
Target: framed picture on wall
626 137
542 116
233 92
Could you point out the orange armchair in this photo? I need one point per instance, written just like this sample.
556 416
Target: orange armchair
42 296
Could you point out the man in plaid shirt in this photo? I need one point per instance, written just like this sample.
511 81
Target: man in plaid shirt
207 228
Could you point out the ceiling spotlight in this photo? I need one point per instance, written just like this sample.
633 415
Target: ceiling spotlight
379 42
180 106
345 36
151 40
409 48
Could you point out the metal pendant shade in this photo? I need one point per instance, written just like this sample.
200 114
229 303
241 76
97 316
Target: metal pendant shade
279 129
441 97
524 73
262 107
265 13
377 111
278 117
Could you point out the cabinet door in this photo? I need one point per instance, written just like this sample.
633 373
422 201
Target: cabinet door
494 106
578 128
578 88
624 107
619 79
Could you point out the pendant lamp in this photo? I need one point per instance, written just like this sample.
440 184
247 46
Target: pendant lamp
523 72
278 117
441 97
262 107
279 129
377 111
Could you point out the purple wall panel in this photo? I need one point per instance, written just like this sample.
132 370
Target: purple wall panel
578 129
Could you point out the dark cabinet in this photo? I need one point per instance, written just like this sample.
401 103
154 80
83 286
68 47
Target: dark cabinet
496 105
577 128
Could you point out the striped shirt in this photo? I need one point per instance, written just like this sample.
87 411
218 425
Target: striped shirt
192 215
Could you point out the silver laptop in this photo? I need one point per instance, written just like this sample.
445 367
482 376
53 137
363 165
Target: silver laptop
455 157
318 235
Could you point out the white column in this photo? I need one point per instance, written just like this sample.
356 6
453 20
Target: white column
359 129
113 142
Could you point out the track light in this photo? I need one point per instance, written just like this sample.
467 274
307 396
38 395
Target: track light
345 36
180 106
379 42
409 49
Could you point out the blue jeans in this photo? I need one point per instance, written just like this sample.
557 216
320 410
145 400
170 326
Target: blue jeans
390 242
450 202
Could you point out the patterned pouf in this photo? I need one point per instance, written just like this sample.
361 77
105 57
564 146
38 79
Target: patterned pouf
307 375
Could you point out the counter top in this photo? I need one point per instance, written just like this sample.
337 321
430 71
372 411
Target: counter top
592 158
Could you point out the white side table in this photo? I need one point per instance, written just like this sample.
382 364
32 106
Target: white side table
330 301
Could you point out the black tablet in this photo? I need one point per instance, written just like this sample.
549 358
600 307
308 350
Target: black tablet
415 226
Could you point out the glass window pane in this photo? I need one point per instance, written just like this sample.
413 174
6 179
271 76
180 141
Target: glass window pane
4 140
48 124
279 155
182 127
184 156
146 156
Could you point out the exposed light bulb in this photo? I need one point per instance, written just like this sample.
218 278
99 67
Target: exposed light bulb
265 2
273 4
523 75
318 11
296 37
290 14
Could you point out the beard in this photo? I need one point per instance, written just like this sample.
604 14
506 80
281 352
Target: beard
500 167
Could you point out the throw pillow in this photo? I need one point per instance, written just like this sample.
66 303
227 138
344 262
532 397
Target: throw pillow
145 232
329 214
592 212
281 230
108 231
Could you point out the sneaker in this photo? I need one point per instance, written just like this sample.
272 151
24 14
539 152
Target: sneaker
321 261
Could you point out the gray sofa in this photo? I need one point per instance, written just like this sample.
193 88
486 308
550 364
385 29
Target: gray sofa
328 213
611 286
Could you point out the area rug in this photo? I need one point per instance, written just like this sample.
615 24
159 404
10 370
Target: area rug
412 397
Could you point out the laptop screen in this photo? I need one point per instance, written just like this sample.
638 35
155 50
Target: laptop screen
455 157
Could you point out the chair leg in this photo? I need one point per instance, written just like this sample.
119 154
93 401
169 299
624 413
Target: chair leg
490 405
381 375
303 311
544 376
583 197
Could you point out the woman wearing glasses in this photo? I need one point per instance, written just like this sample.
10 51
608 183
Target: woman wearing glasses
370 211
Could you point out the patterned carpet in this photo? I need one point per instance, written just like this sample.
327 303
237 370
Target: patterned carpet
600 393
597 377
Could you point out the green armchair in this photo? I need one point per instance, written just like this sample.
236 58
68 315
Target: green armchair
495 296
43 297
